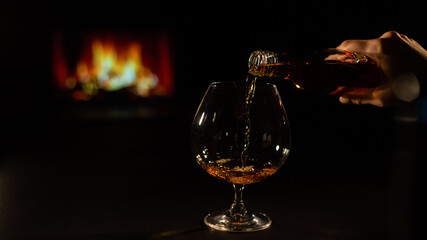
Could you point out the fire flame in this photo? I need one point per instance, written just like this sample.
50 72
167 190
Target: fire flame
110 65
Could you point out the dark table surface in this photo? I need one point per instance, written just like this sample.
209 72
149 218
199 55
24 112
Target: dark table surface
137 179
112 198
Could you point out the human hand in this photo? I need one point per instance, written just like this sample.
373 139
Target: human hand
402 63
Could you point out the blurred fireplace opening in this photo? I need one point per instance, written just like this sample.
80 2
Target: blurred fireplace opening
113 74
97 66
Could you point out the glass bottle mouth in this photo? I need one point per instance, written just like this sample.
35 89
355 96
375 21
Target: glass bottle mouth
262 57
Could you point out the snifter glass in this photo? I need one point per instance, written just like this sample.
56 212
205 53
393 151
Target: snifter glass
240 134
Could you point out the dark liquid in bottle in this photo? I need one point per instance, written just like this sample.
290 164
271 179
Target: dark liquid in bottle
325 76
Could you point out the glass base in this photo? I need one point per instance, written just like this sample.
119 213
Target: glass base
223 221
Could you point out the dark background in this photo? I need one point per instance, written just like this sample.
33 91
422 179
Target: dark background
104 150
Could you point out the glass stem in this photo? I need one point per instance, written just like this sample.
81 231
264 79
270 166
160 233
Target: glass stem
238 210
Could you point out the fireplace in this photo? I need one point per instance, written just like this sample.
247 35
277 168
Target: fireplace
102 65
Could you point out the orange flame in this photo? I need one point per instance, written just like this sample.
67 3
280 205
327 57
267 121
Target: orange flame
110 66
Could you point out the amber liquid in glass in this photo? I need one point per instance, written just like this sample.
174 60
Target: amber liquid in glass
228 170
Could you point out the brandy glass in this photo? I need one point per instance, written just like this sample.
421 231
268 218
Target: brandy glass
240 134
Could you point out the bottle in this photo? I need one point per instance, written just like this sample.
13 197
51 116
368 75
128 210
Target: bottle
329 70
